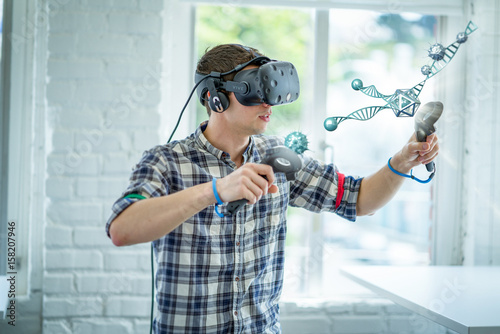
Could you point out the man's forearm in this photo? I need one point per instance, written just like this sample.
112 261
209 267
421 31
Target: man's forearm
152 218
378 189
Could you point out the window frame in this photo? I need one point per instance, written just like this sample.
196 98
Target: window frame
448 221
4 139
444 7
23 148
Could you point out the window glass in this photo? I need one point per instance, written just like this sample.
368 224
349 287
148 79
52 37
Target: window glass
282 34
385 50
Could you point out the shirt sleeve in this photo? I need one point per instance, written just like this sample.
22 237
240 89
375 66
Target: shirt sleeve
320 187
147 180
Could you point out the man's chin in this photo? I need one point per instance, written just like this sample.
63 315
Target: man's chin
260 131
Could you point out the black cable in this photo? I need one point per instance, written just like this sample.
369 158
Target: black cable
185 106
152 257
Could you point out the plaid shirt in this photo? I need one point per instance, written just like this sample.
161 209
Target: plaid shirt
225 275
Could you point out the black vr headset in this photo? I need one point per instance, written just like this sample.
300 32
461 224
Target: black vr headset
273 82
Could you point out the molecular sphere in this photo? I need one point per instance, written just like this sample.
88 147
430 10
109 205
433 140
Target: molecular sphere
297 142
426 70
357 84
461 37
437 51
331 124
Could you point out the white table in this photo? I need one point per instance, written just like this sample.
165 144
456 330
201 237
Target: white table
464 299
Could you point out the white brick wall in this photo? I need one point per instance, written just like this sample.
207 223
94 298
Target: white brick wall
103 94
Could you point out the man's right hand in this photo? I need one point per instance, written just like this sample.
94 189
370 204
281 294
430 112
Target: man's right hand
251 181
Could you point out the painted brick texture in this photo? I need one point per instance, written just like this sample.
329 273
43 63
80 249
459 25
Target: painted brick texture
103 95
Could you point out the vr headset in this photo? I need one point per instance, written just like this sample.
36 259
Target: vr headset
273 82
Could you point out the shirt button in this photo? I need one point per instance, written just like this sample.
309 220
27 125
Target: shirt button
235 312
237 279
237 243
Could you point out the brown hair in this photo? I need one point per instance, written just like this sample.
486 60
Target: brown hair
223 58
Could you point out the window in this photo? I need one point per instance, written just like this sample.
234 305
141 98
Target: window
386 50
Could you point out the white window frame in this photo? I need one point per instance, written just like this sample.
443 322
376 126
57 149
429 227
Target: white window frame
23 151
447 219
430 7
4 133
448 224
178 69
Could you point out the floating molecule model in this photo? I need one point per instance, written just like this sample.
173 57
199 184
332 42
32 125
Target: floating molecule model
404 102
297 142
437 52
461 37
426 70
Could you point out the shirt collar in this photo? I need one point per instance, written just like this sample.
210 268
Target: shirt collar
203 143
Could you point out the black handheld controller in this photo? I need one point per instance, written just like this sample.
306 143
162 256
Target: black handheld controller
428 114
282 160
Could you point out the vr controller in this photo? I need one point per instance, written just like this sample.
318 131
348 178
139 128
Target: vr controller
428 114
282 160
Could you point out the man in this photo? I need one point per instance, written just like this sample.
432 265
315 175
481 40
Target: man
224 273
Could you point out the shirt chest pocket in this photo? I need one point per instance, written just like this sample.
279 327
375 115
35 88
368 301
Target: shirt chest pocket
270 213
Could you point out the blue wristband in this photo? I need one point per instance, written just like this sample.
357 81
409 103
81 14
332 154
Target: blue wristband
219 201
411 176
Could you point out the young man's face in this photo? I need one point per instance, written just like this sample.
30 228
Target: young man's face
249 120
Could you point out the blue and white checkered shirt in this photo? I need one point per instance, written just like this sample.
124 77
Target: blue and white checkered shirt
225 275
